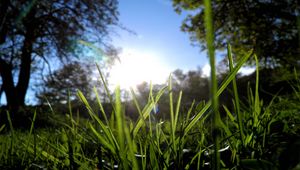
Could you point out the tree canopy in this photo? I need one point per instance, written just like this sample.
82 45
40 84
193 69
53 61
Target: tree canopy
40 31
270 28
64 83
193 84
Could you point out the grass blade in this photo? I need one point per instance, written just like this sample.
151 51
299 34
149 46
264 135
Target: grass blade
102 140
236 96
105 87
146 112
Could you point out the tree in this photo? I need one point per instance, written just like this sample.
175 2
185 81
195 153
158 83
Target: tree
193 84
271 28
64 83
34 31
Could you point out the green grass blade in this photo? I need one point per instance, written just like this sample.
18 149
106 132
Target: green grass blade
146 111
10 122
12 136
177 109
236 96
84 100
137 105
29 135
119 119
232 119
105 87
102 140
213 84
256 98
173 127
223 86
131 149
100 106
107 131
70 110
190 110
2 127
234 71
150 98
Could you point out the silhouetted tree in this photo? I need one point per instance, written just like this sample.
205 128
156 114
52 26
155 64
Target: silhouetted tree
193 84
143 91
271 28
64 83
36 31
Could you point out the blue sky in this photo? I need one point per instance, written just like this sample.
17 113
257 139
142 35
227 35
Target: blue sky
158 35
158 30
158 46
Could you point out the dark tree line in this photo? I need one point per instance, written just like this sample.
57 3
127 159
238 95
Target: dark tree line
270 28
63 84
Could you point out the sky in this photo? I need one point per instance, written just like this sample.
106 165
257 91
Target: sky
158 47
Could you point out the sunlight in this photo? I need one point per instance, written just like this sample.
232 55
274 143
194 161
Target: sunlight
245 70
206 70
138 66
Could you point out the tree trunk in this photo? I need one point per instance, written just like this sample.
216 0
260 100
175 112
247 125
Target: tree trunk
15 95
8 86
25 67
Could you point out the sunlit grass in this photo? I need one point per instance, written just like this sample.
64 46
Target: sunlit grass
183 141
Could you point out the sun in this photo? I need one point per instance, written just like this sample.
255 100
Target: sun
136 67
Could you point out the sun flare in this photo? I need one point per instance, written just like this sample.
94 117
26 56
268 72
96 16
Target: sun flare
136 67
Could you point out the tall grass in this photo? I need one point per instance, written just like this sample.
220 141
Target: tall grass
110 140
155 144
217 122
187 140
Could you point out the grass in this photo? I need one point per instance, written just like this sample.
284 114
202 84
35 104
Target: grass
250 136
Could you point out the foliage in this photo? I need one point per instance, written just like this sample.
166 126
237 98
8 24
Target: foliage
192 85
270 28
63 84
34 32
184 141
